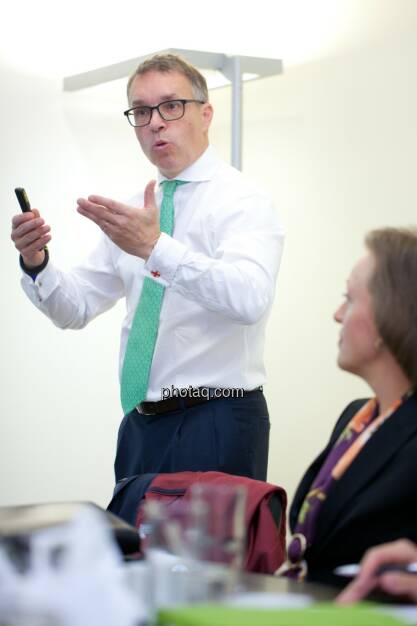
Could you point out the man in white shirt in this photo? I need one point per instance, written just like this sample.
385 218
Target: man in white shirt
203 408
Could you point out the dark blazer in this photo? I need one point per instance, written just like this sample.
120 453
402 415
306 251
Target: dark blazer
374 501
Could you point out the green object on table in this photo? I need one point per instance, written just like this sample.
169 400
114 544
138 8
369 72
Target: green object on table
321 614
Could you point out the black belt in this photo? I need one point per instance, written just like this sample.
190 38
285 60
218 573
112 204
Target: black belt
177 403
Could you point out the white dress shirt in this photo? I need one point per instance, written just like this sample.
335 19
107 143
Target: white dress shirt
219 270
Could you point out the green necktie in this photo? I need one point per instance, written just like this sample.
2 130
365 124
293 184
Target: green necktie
144 331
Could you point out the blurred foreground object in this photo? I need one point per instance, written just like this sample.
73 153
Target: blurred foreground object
68 575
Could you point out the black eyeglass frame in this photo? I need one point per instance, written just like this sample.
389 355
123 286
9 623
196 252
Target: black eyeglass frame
152 109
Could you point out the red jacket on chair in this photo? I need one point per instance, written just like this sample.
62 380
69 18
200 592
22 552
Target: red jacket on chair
264 516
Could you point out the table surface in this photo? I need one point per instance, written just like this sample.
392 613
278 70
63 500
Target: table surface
319 592
277 584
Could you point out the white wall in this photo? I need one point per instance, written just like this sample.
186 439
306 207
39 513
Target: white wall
335 143
343 152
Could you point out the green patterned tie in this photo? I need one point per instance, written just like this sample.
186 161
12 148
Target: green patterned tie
144 331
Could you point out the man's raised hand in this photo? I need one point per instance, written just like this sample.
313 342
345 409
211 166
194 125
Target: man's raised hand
133 230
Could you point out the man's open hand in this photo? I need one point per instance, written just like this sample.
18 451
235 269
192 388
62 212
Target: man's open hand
133 230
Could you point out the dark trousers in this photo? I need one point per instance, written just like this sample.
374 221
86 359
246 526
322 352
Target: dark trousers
226 434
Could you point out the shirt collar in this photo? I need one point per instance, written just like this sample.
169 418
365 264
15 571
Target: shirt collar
201 170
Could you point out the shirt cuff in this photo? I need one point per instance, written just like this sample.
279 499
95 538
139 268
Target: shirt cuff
40 288
164 260
34 271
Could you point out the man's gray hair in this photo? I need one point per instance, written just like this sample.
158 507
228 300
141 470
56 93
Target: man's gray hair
165 63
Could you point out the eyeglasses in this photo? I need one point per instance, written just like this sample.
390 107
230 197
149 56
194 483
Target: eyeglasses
169 110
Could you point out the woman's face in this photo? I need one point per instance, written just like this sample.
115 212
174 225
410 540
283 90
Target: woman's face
359 343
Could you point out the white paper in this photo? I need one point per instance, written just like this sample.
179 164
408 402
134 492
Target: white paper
270 600
74 577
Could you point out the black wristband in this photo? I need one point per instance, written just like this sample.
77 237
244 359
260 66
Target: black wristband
34 271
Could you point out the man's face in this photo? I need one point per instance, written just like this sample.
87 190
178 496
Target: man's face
171 146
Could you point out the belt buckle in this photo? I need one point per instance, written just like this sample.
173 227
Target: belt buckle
141 411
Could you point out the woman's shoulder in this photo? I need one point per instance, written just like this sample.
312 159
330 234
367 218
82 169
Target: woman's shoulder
347 414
